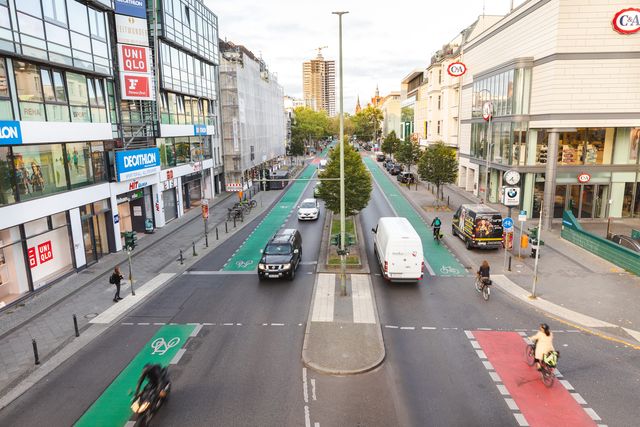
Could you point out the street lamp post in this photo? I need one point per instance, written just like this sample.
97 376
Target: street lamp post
343 260
487 114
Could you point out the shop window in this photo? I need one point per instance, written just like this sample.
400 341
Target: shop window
7 183
13 277
98 161
55 97
183 151
6 111
542 147
30 96
48 251
78 97
79 164
39 170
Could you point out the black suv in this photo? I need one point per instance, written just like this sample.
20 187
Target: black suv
282 255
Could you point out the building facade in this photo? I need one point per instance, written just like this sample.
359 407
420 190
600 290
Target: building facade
565 109
409 87
254 120
319 84
390 107
80 157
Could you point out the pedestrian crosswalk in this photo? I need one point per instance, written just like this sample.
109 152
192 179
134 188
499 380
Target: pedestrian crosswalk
358 292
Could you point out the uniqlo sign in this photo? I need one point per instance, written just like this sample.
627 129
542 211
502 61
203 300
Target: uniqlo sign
45 253
136 59
33 260
136 86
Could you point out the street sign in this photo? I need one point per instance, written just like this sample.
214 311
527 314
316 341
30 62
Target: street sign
511 196
507 224
522 217
487 110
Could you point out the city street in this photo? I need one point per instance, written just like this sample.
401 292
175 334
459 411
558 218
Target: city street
242 363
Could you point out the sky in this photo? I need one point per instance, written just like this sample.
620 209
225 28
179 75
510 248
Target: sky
383 41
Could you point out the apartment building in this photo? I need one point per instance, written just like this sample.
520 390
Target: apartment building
409 88
390 107
319 84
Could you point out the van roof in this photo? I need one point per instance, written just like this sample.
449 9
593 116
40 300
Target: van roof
481 209
401 226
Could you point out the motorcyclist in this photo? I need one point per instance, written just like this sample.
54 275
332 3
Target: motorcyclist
156 378
484 272
543 343
436 223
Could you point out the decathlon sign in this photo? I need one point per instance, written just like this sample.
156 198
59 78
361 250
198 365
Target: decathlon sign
456 69
136 163
627 21
10 132
132 8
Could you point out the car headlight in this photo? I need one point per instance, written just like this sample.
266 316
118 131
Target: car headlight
286 266
261 266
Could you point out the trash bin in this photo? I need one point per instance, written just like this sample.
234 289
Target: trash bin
524 241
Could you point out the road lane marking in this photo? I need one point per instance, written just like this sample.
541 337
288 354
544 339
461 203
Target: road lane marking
196 330
178 356
362 299
594 416
408 328
323 303
313 389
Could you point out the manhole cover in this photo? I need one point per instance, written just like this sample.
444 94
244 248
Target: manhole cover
90 315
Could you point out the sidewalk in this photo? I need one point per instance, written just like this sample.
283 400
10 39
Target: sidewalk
569 278
48 315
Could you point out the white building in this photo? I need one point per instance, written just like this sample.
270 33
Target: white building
565 89
390 107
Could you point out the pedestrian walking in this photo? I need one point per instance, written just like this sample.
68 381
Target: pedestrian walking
115 279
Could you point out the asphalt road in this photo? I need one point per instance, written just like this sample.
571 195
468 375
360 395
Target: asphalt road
244 368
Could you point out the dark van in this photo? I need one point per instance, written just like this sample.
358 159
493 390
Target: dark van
478 226
282 255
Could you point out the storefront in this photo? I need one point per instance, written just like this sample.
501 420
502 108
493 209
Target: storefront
98 238
191 190
170 202
135 210
33 255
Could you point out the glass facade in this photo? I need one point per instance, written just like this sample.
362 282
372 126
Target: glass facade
181 150
32 171
49 94
508 91
181 109
185 73
585 146
189 24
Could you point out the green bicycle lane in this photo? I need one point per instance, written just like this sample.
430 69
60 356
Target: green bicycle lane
440 261
247 256
113 407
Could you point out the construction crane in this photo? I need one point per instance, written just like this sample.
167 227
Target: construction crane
319 49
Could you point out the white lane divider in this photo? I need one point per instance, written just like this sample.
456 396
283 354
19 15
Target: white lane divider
362 299
324 298
117 310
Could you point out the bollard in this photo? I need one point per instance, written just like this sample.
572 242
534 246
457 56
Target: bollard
226 228
35 351
234 221
509 268
217 233
193 245
75 325
242 218
206 240
181 258
448 201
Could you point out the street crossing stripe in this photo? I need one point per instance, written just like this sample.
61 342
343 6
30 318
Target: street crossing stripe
112 408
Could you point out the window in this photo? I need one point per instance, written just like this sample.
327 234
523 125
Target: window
97 101
54 96
30 95
54 10
6 111
7 184
96 19
439 126
79 164
187 18
440 76
98 161
39 170
439 102
78 97
32 7
80 21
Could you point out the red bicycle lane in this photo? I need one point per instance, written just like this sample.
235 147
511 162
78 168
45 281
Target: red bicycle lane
540 405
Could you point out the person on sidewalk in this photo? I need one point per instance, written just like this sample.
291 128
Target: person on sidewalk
436 223
543 343
116 278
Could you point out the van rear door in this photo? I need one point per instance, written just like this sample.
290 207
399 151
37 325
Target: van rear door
488 229
405 261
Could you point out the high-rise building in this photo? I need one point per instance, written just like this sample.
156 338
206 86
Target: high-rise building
319 84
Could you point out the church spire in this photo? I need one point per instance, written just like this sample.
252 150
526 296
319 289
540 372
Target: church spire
377 91
358 108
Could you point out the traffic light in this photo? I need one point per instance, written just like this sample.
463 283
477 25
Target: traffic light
130 240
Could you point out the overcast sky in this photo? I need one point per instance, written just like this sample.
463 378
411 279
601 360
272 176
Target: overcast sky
382 40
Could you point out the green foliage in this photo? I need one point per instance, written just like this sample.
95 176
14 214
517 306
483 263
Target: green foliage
406 114
408 152
438 165
309 125
391 143
296 148
357 182
366 123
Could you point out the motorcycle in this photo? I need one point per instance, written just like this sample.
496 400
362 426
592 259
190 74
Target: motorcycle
149 401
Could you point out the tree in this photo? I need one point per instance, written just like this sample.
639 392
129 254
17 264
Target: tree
390 143
309 126
408 152
438 165
357 182
366 123
296 148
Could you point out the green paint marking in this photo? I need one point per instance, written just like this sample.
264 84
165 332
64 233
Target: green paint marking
441 261
113 407
248 255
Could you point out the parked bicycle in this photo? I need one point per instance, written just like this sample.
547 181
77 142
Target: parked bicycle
236 213
547 364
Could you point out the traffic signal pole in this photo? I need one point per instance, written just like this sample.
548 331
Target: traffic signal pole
130 273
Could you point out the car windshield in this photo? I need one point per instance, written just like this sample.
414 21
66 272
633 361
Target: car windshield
307 205
278 249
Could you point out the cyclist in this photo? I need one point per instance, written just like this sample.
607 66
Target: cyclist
156 378
436 223
484 272
543 343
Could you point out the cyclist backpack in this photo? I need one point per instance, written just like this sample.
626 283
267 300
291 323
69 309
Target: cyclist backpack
551 359
437 223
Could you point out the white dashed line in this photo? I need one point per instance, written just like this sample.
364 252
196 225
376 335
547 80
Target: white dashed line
502 389
227 324
594 416
481 354
408 328
495 377
313 389
566 384
178 356
469 334
196 330
522 421
487 365
429 328
475 344
579 398
391 326
511 404
277 324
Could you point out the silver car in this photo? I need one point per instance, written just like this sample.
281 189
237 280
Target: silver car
309 209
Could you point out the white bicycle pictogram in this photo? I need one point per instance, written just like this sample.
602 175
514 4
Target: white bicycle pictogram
160 346
243 264
447 269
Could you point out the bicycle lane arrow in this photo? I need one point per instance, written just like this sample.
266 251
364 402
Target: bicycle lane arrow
540 406
112 408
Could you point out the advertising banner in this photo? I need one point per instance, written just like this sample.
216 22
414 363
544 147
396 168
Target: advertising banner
134 59
137 86
10 132
132 8
131 30
136 163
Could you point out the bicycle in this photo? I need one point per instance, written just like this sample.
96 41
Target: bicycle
483 286
437 236
546 371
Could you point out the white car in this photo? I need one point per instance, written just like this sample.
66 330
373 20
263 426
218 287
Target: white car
309 209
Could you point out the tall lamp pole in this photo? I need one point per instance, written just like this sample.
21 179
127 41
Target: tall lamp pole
343 260
487 115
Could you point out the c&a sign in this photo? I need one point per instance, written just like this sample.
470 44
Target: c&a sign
137 163
627 21
10 132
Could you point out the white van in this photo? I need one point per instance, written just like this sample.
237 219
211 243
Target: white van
322 165
398 249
